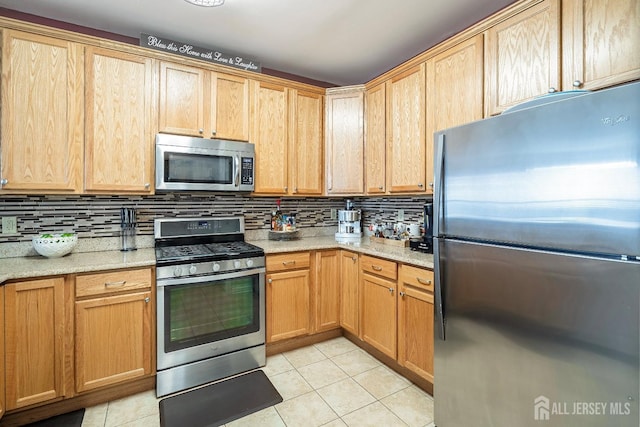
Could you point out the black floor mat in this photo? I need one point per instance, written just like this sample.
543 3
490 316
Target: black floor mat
70 419
219 403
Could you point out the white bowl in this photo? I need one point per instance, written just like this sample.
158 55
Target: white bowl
55 245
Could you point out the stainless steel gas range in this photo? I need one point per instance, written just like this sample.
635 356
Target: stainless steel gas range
211 302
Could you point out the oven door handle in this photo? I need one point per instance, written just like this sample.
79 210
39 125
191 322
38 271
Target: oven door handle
209 278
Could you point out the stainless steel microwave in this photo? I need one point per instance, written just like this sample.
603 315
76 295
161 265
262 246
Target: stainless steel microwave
186 163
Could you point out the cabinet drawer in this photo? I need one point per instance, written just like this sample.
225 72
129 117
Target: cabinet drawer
115 281
416 277
289 261
379 267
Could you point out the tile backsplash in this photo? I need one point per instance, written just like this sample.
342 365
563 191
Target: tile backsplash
99 216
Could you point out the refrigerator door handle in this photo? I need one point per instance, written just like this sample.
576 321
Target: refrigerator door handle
437 272
438 202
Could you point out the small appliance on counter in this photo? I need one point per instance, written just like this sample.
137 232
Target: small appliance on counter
349 224
425 243
128 229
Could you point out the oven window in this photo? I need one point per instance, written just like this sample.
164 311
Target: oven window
211 311
198 168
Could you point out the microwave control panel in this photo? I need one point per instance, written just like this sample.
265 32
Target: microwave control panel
246 173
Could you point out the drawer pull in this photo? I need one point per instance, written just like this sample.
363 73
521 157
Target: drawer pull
288 262
114 284
376 267
424 282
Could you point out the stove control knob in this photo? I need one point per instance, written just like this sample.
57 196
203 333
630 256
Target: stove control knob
236 264
177 272
216 266
249 263
193 269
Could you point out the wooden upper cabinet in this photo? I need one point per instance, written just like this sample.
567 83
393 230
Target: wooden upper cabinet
270 137
42 114
600 43
406 142
522 58
344 139
199 102
230 107
119 126
182 95
455 88
306 142
35 331
375 138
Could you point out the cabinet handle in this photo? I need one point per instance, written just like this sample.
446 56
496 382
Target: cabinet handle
380 187
376 268
200 131
552 90
288 262
147 185
420 185
401 294
286 189
114 284
295 189
147 299
577 83
424 282
213 132
269 281
431 184
354 258
391 290
4 181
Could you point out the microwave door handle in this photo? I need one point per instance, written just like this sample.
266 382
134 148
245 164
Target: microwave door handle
237 169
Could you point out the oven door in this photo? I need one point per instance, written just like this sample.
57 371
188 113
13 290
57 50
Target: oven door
207 316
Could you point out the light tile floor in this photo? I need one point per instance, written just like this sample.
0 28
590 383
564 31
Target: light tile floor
333 383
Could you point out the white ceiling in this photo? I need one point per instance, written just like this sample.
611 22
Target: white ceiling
338 41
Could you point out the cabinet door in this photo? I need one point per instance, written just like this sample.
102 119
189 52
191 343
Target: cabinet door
113 339
34 334
415 322
118 132
2 405
522 59
270 138
350 296
375 140
378 314
327 290
288 312
455 87
306 143
42 114
406 146
182 99
600 43
229 107
344 137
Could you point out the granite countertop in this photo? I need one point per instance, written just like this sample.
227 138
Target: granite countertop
365 246
76 262
83 262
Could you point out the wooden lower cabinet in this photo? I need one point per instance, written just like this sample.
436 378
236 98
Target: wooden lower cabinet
288 296
35 349
415 320
327 285
378 309
113 339
349 293
114 325
2 406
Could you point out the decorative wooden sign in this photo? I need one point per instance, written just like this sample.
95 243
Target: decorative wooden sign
190 51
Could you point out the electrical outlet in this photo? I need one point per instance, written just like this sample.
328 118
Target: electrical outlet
334 213
400 214
9 225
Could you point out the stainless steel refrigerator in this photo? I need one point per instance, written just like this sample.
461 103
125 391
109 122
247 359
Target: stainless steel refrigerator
537 264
